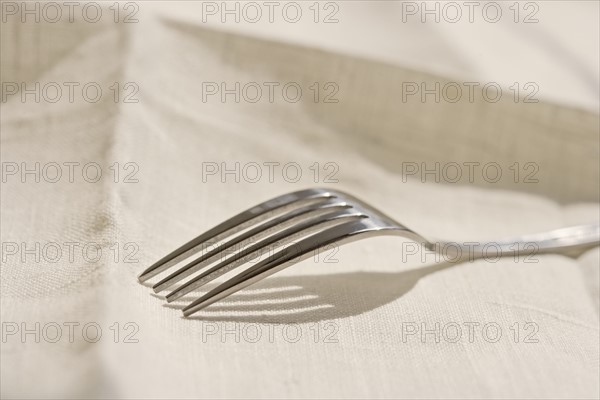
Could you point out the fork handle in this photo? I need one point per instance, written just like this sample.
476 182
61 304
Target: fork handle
570 241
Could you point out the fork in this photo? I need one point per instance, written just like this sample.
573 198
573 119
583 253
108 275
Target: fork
299 223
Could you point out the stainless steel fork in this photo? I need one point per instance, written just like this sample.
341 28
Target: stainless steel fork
301 222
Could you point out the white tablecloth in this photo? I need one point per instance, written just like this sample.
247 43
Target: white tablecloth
368 320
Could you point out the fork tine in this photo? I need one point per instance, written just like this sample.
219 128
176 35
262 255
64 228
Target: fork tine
257 233
278 261
233 225
306 228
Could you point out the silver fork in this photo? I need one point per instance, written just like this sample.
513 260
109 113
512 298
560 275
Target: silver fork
301 222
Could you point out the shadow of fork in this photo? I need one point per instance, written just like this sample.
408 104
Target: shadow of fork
312 298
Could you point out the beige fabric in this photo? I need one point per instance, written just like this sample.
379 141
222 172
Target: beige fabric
364 306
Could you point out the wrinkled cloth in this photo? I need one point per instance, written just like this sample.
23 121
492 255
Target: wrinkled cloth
370 319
